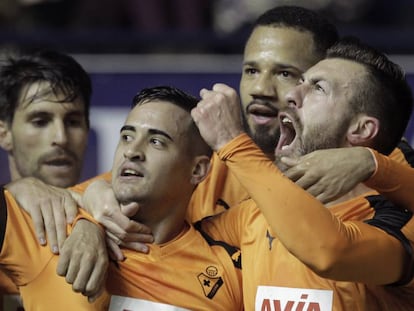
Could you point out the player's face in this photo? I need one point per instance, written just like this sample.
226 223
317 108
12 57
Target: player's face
274 60
49 137
319 111
152 161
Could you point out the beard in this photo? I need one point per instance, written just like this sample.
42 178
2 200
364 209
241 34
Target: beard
264 136
317 137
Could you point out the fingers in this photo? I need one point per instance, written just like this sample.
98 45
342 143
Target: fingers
115 251
63 263
87 276
132 241
130 209
60 226
83 260
137 246
96 281
122 228
50 226
71 210
38 224
134 227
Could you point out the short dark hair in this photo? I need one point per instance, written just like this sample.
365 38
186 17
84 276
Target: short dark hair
324 32
63 72
181 99
384 93
166 93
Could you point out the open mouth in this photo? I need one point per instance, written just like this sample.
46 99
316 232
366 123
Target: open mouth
127 172
287 133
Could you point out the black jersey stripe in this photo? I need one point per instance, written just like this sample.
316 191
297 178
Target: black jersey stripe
407 150
3 217
231 250
392 219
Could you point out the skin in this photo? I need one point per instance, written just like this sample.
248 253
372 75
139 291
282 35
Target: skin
46 139
272 65
323 95
153 166
329 255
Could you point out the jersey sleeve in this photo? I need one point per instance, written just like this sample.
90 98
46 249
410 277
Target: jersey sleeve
394 178
80 188
341 250
228 226
394 221
19 243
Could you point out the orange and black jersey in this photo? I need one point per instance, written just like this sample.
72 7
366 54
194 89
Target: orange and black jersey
296 250
187 272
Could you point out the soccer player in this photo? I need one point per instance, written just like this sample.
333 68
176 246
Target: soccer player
158 163
354 253
44 124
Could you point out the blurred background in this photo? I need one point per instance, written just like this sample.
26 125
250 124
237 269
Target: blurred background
129 44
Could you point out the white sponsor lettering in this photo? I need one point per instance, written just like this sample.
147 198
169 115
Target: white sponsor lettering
273 298
119 303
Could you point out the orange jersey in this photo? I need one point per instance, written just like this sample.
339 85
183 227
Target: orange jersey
186 272
274 278
217 193
32 267
395 179
221 189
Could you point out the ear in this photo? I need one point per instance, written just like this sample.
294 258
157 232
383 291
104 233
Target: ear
363 130
200 169
6 141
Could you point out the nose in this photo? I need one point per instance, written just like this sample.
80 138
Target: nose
134 152
294 97
60 136
264 86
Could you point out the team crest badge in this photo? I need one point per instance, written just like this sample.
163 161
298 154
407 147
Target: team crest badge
209 282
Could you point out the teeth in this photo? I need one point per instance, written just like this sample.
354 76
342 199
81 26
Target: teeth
130 172
286 120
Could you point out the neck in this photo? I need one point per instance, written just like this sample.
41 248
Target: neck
359 190
165 224
14 173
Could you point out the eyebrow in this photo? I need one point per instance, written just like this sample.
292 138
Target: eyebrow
45 113
279 65
151 131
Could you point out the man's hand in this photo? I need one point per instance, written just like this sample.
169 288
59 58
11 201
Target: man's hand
50 208
83 259
218 115
99 200
329 174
